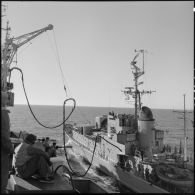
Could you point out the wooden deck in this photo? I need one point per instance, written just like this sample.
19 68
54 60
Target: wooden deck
61 184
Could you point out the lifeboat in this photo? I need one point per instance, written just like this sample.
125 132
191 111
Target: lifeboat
175 175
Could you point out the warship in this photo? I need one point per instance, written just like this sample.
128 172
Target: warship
130 148
123 146
63 181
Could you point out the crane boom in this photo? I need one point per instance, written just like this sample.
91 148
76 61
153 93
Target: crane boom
29 36
10 48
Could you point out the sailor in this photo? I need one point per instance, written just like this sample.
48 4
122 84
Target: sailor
142 170
139 169
127 165
43 140
164 149
131 165
39 145
29 160
52 150
153 176
142 155
147 174
46 143
7 148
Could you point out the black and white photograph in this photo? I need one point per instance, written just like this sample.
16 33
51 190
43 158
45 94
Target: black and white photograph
97 97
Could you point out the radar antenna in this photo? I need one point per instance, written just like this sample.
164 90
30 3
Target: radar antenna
134 91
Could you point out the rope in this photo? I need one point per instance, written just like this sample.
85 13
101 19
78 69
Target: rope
58 58
65 152
62 75
110 143
31 108
69 173
15 68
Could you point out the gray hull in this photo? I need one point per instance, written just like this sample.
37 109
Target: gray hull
128 179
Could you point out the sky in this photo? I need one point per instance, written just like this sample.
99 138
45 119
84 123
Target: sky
94 43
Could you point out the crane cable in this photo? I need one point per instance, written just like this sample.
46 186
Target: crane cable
16 68
62 75
58 58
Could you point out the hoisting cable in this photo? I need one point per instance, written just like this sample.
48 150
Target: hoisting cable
110 143
58 58
16 68
62 75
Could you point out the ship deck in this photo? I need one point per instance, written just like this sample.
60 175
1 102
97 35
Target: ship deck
60 185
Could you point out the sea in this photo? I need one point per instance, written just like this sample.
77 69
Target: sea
21 119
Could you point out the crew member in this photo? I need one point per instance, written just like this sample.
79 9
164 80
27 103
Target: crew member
147 173
46 144
6 146
142 155
29 160
127 165
52 150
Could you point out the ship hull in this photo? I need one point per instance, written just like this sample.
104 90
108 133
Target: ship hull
128 179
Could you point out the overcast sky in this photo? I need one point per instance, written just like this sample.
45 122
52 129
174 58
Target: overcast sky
96 42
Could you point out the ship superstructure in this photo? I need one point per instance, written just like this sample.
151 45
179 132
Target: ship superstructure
131 131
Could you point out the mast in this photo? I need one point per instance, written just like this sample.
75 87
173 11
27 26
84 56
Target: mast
185 131
137 73
185 138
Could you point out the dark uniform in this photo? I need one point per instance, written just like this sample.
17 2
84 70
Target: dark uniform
29 160
147 174
6 148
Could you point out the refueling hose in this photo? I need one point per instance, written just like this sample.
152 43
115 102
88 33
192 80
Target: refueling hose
16 68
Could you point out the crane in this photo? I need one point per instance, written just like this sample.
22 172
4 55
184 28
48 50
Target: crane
8 52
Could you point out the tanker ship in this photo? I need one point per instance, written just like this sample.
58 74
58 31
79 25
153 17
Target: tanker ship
129 148
11 182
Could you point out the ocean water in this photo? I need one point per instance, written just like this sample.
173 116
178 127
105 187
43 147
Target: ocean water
21 119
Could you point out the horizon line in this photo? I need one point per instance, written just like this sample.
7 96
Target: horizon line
191 109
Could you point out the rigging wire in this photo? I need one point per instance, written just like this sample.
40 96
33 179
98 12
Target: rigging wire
109 142
62 75
58 58
16 68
